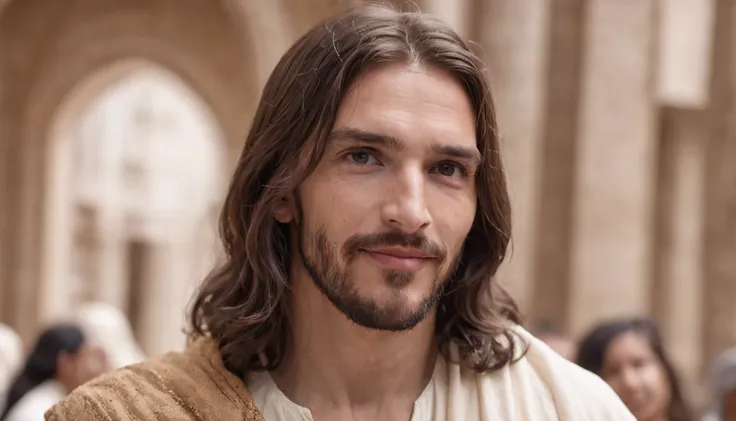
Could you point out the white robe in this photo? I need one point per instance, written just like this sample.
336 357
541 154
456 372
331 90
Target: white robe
35 403
542 386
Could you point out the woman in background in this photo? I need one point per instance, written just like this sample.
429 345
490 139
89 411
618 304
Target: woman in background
60 361
630 357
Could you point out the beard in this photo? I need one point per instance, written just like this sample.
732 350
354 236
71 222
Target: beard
321 258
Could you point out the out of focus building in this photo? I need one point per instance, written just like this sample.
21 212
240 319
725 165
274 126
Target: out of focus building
120 121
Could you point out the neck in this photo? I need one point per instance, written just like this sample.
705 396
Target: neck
335 364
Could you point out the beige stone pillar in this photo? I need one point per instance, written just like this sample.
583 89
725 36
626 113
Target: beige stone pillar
615 170
55 293
269 28
554 214
679 287
720 192
8 210
169 275
513 34
111 279
456 13
686 31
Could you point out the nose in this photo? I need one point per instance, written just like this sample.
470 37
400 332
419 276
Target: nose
630 382
405 208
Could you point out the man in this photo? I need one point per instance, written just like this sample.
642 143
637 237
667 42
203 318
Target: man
364 223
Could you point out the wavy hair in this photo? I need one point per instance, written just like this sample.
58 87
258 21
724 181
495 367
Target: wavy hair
243 303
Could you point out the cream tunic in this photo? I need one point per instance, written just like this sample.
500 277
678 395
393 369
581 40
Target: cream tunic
541 386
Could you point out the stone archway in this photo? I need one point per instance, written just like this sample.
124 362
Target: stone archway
134 172
48 49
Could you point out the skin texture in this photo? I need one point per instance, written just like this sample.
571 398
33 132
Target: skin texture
398 176
638 377
88 362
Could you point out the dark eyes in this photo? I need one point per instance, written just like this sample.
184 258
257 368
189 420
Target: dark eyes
362 157
449 169
368 157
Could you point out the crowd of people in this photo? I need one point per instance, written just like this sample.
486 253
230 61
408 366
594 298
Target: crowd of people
628 354
64 356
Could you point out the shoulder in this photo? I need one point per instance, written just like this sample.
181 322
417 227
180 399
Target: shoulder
576 392
177 386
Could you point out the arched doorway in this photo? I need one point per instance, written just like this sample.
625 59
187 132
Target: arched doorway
136 171
49 51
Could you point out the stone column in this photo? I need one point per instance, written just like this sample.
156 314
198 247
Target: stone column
686 30
719 324
679 277
111 285
615 170
8 225
554 214
456 13
168 278
513 35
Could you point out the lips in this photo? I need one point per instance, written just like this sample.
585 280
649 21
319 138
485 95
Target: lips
400 259
402 253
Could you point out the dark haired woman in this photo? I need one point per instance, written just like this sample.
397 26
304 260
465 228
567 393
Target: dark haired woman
630 357
60 361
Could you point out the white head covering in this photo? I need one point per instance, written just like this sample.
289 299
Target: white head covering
11 358
721 380
108 327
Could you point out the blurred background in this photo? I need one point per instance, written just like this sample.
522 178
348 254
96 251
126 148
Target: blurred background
120 121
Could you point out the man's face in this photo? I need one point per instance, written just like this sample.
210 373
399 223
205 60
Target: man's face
381 222
84 365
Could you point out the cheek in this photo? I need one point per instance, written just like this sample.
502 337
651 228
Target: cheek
454 220
337 206
660 384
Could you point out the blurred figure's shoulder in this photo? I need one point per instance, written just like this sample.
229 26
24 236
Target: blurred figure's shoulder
192 385
540 383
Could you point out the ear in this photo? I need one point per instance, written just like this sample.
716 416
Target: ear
284 210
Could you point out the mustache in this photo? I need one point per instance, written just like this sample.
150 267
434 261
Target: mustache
418 241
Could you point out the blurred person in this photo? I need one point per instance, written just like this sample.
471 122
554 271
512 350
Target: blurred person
60 361
11 357
629 355
559 343
363 226
722 382
109 328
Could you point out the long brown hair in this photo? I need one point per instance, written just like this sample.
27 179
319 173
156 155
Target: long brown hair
243 304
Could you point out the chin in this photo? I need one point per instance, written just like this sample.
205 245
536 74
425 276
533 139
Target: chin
399 311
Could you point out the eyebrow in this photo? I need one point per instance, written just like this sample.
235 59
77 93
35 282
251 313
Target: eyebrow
346 134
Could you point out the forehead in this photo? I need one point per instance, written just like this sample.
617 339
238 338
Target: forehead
629 344
415 103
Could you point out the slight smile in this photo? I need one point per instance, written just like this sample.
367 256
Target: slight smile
399 258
